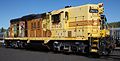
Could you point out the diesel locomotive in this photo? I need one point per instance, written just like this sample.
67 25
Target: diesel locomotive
80 29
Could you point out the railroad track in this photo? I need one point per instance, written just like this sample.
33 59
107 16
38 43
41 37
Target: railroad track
115 55
116 51
27 55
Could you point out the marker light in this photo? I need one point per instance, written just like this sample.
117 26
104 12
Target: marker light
100 4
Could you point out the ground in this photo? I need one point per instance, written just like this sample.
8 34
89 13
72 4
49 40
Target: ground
7 54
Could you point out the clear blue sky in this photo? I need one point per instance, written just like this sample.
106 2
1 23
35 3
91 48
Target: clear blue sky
10 9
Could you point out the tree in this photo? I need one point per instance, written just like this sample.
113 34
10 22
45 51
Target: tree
3 30
115 24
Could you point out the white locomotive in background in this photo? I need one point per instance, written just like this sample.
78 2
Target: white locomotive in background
115 35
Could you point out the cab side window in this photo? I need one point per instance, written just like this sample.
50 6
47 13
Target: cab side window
56 18
66 15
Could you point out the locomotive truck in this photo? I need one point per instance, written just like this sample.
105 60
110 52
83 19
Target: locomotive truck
80 29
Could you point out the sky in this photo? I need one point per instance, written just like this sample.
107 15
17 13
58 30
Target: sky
11 9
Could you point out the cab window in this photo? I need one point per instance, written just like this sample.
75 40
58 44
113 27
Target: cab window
56 18
66 15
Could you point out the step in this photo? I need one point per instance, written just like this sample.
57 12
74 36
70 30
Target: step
94 45
95 41
93 50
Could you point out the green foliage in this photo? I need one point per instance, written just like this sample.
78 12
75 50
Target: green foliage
114 24
2 29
